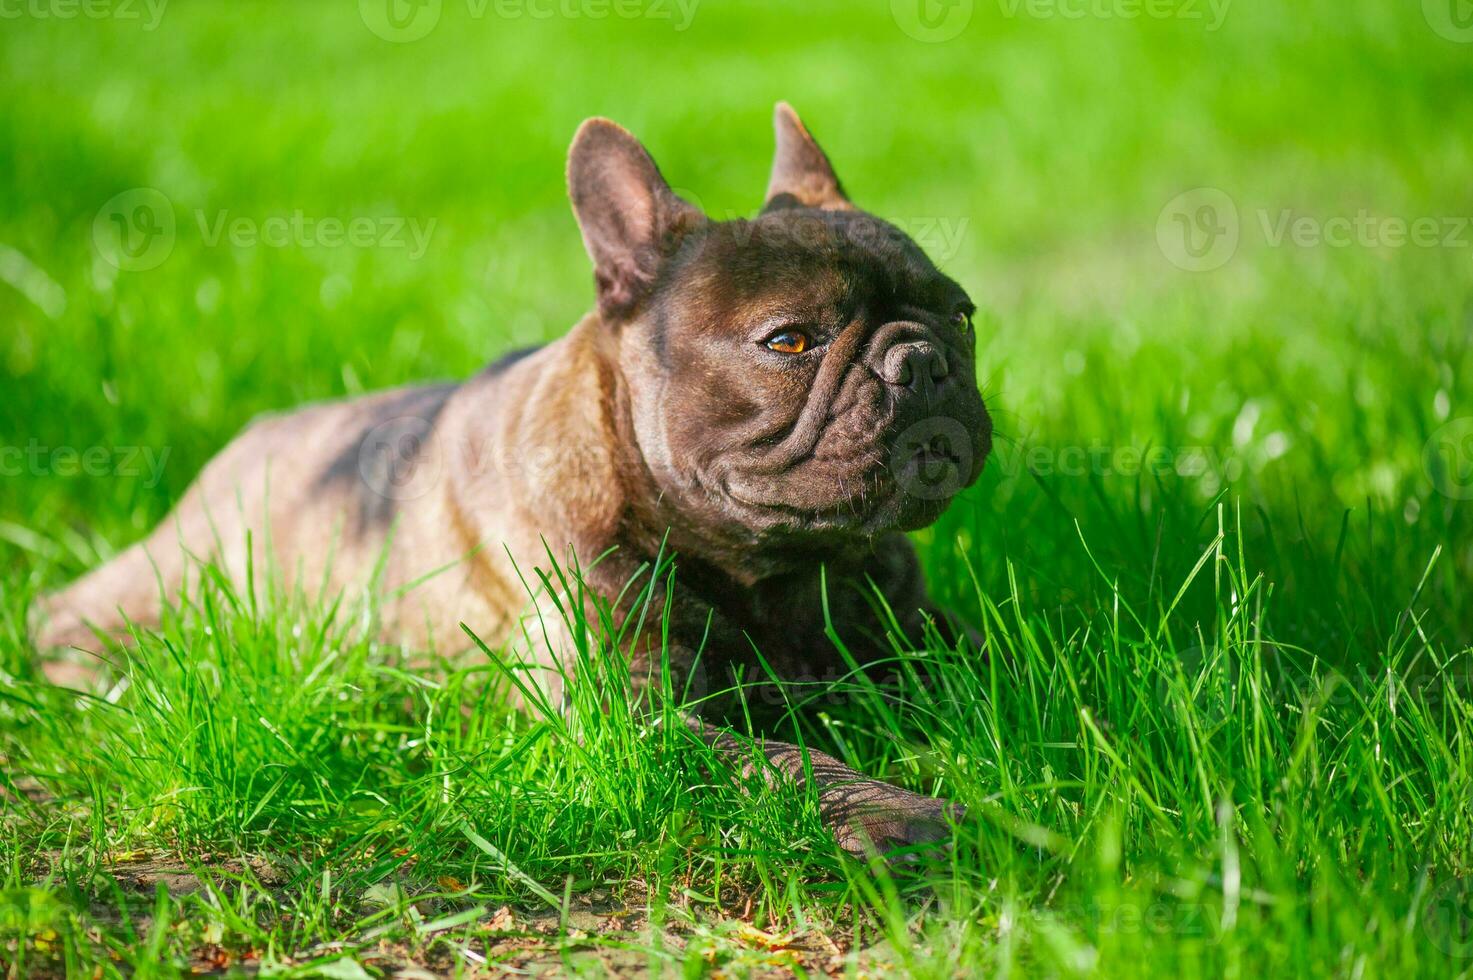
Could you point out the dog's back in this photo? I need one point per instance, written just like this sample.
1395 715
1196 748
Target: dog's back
424 492
271 481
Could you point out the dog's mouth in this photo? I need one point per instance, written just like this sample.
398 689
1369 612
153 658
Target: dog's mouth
904 485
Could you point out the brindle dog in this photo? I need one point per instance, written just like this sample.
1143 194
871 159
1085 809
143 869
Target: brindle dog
760 399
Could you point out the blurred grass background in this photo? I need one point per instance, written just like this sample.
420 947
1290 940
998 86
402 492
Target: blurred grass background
1320 384
1043 147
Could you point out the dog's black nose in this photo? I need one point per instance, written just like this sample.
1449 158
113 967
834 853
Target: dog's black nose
908 355
915 365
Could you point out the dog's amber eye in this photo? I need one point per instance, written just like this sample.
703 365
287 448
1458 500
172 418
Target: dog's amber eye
962 320
789 342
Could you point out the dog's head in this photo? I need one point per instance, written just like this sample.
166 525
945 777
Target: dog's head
809 371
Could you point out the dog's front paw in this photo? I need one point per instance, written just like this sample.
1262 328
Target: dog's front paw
876 818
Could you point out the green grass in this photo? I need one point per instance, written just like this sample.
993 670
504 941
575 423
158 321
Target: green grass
1226 537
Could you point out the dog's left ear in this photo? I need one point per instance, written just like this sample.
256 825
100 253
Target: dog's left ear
801 173
630 218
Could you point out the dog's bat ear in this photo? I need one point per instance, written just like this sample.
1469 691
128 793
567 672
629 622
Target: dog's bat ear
801 173
630 218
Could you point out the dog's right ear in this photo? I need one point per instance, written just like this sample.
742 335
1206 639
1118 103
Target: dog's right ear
801 173
630 218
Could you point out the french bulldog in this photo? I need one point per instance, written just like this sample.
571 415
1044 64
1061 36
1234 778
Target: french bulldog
766 404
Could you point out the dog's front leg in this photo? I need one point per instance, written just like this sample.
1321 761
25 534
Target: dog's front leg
865 815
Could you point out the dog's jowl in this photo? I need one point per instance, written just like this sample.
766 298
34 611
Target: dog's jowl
757 400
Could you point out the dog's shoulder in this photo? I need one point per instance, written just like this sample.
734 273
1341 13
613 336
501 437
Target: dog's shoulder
537 425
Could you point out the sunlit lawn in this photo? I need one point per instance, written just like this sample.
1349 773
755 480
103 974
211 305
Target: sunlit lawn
1224 546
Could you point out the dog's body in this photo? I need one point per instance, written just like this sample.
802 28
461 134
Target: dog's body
448 497
740 403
